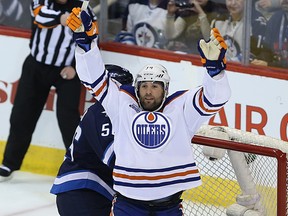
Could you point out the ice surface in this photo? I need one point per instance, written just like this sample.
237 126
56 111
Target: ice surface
27 194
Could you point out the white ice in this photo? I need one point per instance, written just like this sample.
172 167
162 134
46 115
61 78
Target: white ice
27 194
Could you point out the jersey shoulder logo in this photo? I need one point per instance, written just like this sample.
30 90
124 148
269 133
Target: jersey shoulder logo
151 129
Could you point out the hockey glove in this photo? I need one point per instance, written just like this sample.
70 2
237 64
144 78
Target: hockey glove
213 53
84 30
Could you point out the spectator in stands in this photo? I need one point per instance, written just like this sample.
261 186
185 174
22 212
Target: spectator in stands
116 8
144 23
275 52
15 13
267 7
188 21
50 63
232 29
95 4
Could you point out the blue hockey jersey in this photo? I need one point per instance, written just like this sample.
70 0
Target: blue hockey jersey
89 161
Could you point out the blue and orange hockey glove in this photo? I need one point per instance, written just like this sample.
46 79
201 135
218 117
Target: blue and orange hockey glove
84 30
213 53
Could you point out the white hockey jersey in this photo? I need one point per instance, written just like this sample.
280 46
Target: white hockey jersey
154 158
147 22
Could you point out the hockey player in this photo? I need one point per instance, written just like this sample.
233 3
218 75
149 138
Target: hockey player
84 182
153 131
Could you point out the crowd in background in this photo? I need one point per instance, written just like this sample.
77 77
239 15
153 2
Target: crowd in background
177 25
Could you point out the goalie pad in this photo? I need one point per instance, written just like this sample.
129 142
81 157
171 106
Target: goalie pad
239 210
213 153
253 213
236 210
248 200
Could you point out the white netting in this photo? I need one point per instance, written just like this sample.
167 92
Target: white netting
236 176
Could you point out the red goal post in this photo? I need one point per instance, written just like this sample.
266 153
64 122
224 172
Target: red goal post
250 179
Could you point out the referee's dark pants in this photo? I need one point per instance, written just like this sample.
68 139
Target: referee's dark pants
32 93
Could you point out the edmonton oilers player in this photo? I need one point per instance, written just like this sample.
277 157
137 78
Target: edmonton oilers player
84 182
153 131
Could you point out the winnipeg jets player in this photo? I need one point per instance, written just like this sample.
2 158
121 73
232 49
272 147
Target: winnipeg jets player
153 131
84 182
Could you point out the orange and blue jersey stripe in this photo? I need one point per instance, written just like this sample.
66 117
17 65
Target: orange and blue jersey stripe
149 178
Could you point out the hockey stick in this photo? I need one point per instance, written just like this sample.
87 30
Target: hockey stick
83 8
84 5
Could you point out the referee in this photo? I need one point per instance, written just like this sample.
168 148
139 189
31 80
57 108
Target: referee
49 64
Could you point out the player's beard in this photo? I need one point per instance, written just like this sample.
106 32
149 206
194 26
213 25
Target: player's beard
151 105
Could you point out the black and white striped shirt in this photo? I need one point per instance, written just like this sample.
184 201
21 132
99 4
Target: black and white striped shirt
51 43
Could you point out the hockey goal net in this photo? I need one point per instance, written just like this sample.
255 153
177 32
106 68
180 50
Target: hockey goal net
249 177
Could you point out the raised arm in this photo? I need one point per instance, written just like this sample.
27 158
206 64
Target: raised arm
215 91
89 64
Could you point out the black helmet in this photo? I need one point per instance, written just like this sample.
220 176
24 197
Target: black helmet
120 74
